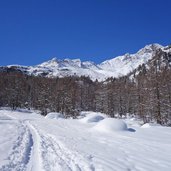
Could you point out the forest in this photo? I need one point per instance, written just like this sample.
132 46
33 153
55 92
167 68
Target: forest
144 93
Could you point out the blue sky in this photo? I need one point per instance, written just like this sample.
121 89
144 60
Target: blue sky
33 31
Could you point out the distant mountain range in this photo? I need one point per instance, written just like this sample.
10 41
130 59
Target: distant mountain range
116 67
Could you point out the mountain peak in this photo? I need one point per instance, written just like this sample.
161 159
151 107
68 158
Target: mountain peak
149 48
125 64
154 45
54 59
50 63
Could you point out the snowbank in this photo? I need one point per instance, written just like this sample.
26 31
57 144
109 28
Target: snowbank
111 125
148 125
92 117
54 115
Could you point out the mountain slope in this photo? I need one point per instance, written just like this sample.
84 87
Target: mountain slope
122 65
116 67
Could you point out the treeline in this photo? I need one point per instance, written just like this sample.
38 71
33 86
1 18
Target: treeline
145 93
67 95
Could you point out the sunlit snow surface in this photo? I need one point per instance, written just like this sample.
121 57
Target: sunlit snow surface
54 115
29 141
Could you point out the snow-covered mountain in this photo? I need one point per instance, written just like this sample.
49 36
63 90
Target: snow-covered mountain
116 67
122 65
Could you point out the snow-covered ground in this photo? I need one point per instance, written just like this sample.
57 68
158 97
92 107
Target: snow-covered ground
29 141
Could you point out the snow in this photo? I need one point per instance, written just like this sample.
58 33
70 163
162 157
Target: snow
148 125
115 67
133 122
90 117
29 141
110 125
123 65
54 115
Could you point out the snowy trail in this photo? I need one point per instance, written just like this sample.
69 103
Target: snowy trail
49 153
20 154
55 156
29 142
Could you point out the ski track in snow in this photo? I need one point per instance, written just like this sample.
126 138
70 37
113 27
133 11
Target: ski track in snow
69 145
56 156
50 155
21 150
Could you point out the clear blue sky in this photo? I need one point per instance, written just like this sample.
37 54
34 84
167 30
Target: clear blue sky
33 31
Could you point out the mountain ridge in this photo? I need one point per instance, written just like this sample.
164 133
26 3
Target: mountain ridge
115 67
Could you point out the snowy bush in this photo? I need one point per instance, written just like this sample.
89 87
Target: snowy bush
111 125
54 115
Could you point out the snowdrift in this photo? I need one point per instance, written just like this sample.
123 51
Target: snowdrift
54 115
111 125
149 125
90 117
